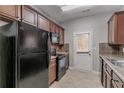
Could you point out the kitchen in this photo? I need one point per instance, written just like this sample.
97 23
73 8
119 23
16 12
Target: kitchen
41 47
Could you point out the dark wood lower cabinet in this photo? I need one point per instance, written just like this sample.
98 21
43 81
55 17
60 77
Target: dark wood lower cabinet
104 77
109 78
52 71
116 81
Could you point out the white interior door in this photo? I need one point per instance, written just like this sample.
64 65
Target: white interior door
82 50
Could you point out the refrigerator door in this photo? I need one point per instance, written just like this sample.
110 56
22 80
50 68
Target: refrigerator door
7 55
7 62
33 70
43 38
31 39
33 56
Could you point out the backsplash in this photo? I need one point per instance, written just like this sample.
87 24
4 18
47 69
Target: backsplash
63 48
105 48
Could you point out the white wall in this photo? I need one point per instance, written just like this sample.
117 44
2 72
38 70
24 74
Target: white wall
98 23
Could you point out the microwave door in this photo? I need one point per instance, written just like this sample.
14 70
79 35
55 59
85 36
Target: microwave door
55 38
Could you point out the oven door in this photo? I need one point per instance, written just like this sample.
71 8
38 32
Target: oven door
61 67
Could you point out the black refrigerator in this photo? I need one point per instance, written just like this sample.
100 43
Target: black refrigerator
33 57
7 54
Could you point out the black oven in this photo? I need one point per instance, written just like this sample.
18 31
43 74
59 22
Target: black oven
61 66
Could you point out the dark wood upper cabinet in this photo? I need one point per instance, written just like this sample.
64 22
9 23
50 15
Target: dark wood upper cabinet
57 29
61 36
116 29
120 28
10 11
29 16
43 23
52 27
112 27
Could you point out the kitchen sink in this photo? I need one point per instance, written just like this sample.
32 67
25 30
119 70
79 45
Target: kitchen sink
115 62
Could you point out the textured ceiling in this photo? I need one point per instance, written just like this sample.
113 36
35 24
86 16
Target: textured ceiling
55 12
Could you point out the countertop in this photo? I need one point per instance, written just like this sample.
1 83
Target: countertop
118 70
64 53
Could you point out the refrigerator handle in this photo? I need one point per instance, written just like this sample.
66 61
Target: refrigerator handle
49 47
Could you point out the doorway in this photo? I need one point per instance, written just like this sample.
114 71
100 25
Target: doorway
82 50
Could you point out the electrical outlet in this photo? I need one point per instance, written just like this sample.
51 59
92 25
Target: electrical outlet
123 49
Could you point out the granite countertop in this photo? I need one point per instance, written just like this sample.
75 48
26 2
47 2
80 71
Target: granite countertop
64 53
118 70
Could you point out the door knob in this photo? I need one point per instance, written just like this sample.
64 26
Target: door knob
89 53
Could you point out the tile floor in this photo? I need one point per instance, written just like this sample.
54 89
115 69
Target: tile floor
78 79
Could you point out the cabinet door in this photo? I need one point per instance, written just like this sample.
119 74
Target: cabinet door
121 28
52 27
61 36
52 71
109 32
114 84
57 30
104 81
108 80
43 23
112 27
116 81
29 16
10 11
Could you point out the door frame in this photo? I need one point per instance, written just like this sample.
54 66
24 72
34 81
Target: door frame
91 46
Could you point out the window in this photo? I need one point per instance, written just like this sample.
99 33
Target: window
82 41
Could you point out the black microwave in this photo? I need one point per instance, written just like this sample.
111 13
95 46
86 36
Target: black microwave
55 38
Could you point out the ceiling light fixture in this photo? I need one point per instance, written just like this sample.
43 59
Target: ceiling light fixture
66 8
69 7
